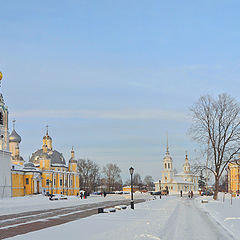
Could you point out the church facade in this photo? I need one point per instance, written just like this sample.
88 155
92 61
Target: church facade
185 181
45 172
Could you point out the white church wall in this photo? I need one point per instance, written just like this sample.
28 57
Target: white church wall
5 174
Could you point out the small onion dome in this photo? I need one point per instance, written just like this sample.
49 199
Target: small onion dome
14 137
29 165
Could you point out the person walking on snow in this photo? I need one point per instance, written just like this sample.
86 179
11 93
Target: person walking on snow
191 193
181 193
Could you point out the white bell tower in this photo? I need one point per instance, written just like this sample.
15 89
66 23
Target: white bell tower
5 155
167 173
4 135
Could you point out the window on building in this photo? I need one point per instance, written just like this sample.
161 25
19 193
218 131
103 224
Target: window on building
54 181
1 118
60 182
165 165
168 165
27 181
47 182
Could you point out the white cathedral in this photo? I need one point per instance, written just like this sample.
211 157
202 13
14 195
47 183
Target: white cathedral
185 181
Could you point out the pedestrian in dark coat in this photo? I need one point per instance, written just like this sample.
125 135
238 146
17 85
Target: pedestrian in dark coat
181 193
191 194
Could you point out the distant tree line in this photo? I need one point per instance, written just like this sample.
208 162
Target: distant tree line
93 178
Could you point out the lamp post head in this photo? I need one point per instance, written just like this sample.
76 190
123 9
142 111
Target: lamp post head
131 170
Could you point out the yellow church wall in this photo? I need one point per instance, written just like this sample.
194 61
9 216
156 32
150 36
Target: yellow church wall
234 177
17 184
73 167
52 182
44 164
28 183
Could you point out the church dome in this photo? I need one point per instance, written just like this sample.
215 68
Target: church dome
14 137
29 165
56 158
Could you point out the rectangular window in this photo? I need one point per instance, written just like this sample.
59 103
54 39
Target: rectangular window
27 181
60 182
54 181
47 182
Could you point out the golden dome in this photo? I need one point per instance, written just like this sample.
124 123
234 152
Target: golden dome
1 76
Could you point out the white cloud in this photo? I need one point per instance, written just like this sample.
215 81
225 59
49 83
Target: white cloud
123 114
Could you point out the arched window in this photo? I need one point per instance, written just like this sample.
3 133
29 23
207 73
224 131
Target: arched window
168 165
1 118
165 165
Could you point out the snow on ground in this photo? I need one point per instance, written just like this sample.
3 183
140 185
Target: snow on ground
170 218
40 202
225 213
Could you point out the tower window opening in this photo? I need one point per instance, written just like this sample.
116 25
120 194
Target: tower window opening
165 165
168 165
1 118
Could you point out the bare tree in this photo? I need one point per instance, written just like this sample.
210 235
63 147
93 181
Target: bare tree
148 181
112 177
89 174
137 181
216 125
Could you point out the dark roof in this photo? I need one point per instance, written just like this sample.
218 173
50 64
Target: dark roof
55 157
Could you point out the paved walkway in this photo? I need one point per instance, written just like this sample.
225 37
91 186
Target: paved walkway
188 222
16 224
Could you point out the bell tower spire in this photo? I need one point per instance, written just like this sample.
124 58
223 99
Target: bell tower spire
47 140
186 166
14 124
167 145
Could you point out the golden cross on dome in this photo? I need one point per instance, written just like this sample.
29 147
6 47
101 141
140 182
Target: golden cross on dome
47 130
167 144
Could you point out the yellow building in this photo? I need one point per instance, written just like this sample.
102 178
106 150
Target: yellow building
128 189
46 172
234 177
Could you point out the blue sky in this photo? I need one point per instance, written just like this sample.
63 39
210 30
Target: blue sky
113 77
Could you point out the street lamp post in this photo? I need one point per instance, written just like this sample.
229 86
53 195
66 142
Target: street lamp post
160 193
131 170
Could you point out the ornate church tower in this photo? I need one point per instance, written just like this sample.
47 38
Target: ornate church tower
167 173
14 141
3 123
72 162
47 140
186 166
